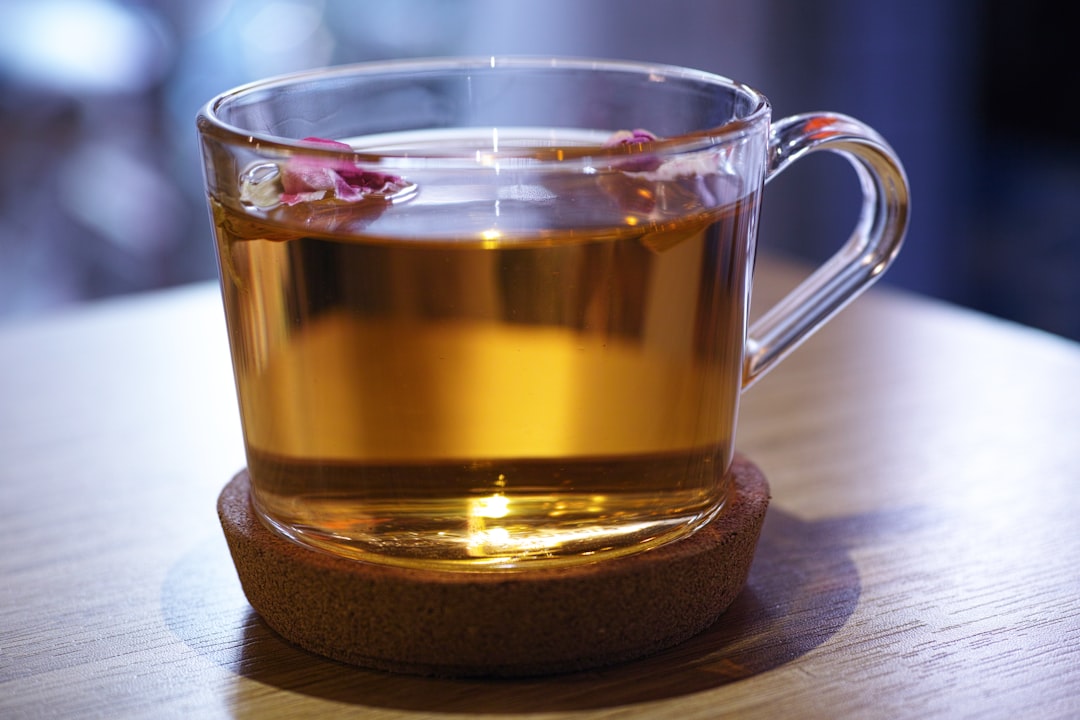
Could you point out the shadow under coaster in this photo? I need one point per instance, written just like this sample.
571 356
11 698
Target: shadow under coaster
498 624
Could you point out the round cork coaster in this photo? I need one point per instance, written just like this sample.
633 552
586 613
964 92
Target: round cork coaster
473 624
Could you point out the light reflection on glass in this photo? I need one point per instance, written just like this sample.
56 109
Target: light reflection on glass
81 45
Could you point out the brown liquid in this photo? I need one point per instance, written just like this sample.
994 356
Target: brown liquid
491 400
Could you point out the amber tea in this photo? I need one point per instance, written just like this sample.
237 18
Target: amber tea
552 375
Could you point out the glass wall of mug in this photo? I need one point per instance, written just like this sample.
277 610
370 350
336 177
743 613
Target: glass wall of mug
487 314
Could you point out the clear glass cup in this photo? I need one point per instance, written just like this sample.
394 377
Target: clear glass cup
491 314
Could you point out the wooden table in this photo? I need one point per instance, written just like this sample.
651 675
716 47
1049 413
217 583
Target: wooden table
921 556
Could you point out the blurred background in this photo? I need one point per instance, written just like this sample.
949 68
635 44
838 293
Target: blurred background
100 183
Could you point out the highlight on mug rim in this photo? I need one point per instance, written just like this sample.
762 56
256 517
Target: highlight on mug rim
213 123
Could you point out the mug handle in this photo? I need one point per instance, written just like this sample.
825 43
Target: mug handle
863 258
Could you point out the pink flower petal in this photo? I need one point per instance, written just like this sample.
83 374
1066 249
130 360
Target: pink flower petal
642 163
332 143
308 180
629 137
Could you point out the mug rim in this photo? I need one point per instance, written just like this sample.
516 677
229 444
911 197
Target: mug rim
210 122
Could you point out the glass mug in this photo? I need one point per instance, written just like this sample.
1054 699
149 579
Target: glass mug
491 314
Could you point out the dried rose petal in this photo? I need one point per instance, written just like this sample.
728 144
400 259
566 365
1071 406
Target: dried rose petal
650 186
643 163
629 137
336 144
697 165
308 180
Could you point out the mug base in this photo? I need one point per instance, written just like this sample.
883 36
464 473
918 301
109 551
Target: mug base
477 624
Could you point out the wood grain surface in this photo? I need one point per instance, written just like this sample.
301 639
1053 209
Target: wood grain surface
920 558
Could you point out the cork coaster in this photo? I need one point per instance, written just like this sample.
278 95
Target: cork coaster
472 624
